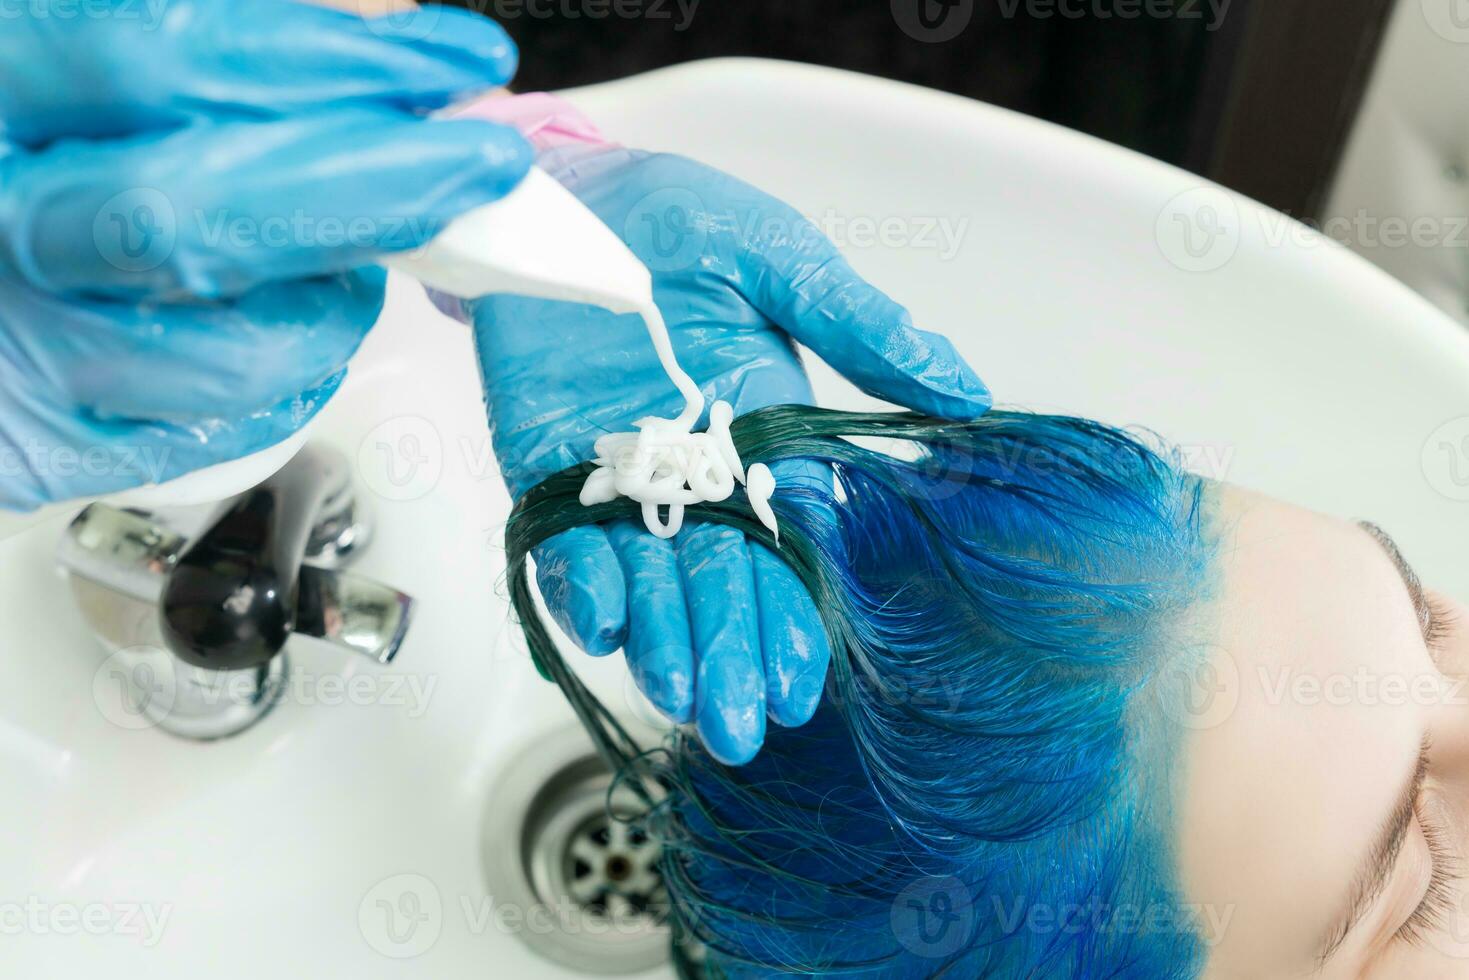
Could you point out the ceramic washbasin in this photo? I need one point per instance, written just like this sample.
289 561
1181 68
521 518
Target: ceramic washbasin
1076 276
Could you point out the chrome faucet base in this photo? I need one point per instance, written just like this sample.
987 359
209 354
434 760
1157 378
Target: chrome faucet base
162 690
119 562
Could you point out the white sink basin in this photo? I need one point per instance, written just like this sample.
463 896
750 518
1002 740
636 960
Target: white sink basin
301 847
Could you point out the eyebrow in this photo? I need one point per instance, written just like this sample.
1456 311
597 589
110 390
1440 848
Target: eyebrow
1411 582
1374 872
1372 876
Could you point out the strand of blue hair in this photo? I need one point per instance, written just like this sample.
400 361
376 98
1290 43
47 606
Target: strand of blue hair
986 788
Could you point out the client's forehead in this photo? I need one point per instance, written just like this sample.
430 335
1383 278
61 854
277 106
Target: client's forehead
1288 772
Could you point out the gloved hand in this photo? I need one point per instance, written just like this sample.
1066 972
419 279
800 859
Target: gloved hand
186 190
716 629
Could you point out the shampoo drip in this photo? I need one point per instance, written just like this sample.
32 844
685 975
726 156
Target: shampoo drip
666 464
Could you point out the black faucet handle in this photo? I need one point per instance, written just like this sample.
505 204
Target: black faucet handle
230 602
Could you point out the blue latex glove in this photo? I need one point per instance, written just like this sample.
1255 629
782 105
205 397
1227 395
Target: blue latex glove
188 195
716 629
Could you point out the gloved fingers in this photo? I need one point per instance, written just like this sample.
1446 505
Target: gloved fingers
215 210
797 649
729 679
161 64
582 584
798 279
183 363
659 648
547 396
794 640
69 454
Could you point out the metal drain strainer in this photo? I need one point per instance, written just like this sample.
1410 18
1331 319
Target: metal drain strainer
610 869
584 881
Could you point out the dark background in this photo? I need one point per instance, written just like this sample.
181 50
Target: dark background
1257 94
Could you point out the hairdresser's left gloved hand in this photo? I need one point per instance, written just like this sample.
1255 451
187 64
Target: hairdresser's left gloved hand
717 630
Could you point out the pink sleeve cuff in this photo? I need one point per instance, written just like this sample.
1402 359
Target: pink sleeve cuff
545 120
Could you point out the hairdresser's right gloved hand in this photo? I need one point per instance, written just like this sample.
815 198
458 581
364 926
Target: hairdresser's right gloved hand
191 193
716 629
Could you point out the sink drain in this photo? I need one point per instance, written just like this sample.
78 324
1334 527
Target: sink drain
581 875
609 869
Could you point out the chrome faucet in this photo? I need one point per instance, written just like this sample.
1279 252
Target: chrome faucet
207 598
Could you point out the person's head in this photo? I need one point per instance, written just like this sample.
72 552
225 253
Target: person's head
1325 805
990 787
1088 716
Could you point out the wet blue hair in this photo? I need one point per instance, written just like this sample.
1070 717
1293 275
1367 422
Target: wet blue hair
987 787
